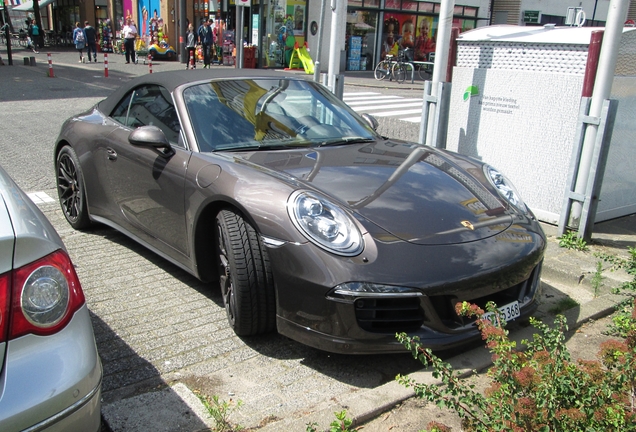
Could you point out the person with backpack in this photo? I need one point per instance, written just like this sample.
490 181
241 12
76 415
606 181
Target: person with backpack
79 39
91 41
33 33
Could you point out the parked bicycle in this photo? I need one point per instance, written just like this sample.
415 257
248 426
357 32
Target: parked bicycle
399 67
402 65
384 68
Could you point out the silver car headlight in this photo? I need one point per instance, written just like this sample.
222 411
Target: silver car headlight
505 187
324 223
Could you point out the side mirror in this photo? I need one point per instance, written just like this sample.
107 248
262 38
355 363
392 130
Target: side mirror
372 121
150 136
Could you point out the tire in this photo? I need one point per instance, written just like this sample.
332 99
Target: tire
423 72
382 70
70 188
245 276
399 72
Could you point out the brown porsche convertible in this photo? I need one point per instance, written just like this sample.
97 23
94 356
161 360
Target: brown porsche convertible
313 224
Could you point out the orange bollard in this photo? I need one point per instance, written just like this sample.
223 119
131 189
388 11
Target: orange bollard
51 74
105 65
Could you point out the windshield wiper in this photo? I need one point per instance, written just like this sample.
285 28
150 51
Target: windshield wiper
344 141
282 145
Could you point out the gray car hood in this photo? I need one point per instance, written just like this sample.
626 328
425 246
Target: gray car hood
416 193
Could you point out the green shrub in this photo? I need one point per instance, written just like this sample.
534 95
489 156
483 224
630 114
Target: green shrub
539 389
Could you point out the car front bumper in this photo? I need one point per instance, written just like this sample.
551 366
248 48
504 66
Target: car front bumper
435 279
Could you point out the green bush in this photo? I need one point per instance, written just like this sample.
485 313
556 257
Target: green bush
538 389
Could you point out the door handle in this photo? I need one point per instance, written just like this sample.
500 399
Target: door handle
112 154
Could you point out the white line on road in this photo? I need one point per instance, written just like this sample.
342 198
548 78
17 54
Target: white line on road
40 197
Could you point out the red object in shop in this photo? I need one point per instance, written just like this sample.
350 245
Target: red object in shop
249 57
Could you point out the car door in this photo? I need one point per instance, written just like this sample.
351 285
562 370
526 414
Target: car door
146 184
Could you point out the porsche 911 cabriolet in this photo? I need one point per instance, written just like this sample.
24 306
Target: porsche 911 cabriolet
312 223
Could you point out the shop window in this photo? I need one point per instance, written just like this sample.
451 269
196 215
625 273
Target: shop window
372 3
470 11
392 4
409 5
426 7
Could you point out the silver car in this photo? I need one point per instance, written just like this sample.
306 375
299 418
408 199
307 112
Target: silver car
50 372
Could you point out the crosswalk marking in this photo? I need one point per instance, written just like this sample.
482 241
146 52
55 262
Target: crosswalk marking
380 105
40 198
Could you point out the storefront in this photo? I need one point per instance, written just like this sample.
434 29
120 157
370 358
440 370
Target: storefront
380 27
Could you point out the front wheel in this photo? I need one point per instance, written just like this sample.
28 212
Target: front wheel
70 188
246 278
382 70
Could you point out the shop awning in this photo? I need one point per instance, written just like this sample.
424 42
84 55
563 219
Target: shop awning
28 5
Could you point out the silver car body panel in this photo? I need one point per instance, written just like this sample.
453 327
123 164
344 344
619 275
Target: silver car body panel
44 376
46 382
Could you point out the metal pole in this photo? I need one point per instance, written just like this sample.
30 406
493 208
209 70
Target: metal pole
336 42
616 16
323 4
182 30
239 36
440 69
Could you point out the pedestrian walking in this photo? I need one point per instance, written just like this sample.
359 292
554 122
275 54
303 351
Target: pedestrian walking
91 41
79 39
191 46
205 39
33 34
130 34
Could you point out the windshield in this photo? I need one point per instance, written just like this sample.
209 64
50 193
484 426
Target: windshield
254 114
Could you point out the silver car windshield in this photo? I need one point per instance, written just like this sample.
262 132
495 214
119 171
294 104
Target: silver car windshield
268 113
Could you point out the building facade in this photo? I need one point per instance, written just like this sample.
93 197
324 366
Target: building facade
373 27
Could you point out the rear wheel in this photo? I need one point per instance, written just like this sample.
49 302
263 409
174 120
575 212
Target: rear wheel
424 72
245 276
70 188
399 72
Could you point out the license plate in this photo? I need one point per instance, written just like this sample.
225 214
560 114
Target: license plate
508 312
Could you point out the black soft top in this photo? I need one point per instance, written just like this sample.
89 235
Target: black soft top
170 80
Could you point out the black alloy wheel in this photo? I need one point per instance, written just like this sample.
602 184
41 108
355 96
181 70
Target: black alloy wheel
70 188
245 276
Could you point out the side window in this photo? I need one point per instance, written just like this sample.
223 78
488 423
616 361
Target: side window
120 113
151 105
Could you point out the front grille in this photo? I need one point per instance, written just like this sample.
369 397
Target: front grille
389 315
444 305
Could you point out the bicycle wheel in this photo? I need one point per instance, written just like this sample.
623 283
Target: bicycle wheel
382 70
424 72
399 72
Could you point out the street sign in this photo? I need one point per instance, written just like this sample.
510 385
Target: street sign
244 3
531 17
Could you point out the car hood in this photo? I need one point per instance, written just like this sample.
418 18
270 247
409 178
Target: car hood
415 193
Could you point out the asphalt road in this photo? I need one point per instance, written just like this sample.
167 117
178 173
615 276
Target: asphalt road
154 324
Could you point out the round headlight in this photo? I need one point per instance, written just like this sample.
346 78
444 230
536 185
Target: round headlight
505 187
45 297
324 223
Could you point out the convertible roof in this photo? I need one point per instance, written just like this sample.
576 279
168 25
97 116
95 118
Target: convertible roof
173 79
